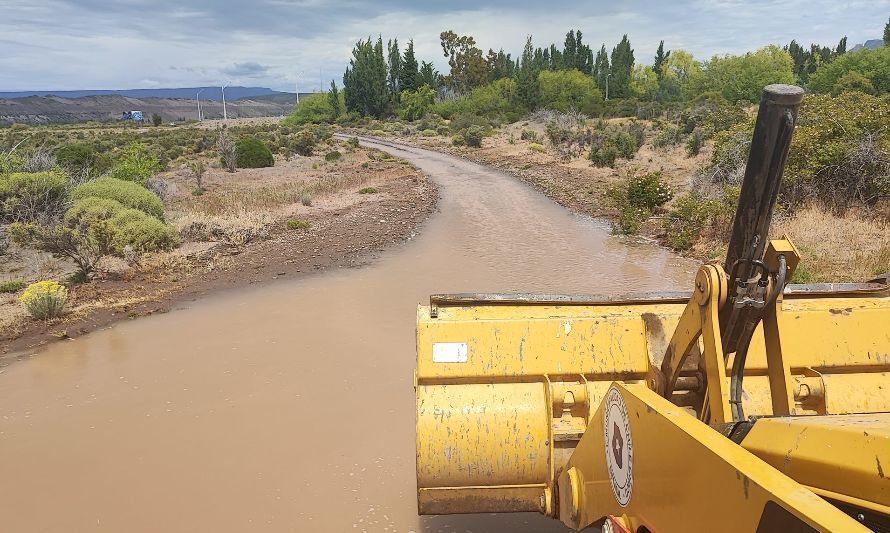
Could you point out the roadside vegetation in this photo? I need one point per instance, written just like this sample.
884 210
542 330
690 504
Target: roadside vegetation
660 148
92 215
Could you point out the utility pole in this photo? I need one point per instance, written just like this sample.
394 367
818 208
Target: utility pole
225 116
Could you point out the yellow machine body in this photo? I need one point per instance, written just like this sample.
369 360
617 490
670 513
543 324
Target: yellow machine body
510 389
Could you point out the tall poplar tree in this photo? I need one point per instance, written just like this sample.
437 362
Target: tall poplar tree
364 83
527 77
601 68
409 73
394 58
660 58
622 68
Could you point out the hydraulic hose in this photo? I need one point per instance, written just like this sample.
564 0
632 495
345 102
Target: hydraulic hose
738 363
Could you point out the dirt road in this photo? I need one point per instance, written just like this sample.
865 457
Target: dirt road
288 406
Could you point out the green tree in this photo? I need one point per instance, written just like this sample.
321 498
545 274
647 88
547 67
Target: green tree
416 104
499 65
742 78
394 64
680 76
364 82
156 119
527 77
468 67
313 109
569 89
874 65
428 75
409 73
644 82
841 47
887 33
601 68
334 101
622 69
660 57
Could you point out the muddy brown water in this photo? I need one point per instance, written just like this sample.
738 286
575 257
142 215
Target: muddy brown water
288 407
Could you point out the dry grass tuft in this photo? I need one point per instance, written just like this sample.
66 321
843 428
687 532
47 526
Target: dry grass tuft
238 228
837 248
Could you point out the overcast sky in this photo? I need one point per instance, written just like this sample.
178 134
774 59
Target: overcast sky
105 44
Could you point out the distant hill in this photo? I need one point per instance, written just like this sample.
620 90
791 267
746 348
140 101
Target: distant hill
207 93
108 107
870 44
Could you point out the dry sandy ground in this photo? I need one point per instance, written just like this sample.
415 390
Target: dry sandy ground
345 229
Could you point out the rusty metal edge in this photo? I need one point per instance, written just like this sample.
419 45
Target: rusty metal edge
835 290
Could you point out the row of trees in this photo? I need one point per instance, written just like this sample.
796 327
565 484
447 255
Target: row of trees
380 74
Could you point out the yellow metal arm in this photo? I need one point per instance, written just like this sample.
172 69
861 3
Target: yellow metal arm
646 461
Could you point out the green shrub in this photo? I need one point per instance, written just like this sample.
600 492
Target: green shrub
563 90
636 197
529 135
129 194
251 152
872 67
694 144
294 224
26 196
303 143
473 136
12 286
312 109
143 233
458 140
840 152
368 190
416 104
669 136
352 142
535 147
687 219
306 199
76 156
604 156
333 156
136 164
429 133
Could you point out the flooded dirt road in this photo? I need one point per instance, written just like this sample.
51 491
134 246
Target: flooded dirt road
288 407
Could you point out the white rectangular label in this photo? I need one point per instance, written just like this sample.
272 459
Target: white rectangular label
449 352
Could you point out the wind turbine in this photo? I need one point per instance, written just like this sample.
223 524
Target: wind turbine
197 101
225 116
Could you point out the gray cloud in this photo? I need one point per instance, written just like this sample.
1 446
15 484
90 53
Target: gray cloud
248 69
77 44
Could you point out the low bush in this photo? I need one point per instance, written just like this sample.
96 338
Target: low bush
473 136
306 199
535 147
668 137
295 224
37 196
368 190
12 286
333 156
636 197
136 164
695 142
458 140
251 152
80 247
529 135
429 133
352 142
141 232
45 300
76 156
303 143
127 193
693 216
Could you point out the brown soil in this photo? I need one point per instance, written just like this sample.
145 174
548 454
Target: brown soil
346 229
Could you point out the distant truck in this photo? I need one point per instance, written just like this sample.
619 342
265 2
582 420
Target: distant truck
135 116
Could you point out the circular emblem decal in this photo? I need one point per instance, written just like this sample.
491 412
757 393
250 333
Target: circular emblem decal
619 446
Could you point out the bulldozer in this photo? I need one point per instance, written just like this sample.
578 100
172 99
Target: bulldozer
747 404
